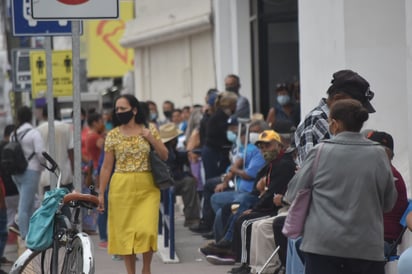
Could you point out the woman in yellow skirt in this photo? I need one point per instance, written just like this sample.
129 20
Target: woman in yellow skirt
134 198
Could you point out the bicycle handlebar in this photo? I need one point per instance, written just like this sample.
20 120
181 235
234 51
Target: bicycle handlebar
51 161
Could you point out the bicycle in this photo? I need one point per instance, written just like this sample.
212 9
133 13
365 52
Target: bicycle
71 251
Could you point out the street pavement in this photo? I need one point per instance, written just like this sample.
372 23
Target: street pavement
187 245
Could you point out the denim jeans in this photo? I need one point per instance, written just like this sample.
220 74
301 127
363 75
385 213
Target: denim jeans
3 230
245 201
294 264
215 161
219 200
27 184
208 214
405 262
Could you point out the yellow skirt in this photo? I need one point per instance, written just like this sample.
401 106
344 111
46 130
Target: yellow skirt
133 214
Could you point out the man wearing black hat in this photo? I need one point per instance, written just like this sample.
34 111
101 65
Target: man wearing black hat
346 84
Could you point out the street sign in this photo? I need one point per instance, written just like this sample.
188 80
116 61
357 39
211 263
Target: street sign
75 9
21 74
62 73
24 25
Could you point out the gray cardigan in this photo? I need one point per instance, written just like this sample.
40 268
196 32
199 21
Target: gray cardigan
353 186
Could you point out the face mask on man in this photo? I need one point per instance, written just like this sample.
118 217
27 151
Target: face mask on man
168 114
124 117
153 116
231 136
234 89
283 99
253 137
270 155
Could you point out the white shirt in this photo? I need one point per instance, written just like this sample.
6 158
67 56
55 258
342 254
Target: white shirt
31 142
63 142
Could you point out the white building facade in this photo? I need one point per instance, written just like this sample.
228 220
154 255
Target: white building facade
185 47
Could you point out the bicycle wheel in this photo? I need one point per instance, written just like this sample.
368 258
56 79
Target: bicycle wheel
79 257
37 262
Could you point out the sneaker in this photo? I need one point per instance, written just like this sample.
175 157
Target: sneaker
209 235
14 228
5 261
225 244
212 249
191 222
117 258
103 245
280 270
202 227
220 260
240 269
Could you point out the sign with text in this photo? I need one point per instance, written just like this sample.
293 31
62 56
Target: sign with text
62 73
75 9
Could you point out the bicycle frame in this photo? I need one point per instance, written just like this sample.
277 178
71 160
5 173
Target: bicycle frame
65 235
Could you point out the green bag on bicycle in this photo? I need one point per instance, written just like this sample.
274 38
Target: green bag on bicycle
40 234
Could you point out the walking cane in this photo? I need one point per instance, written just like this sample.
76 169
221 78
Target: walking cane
268 260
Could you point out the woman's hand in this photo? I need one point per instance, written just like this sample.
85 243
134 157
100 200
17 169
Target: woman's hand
100 208
147 134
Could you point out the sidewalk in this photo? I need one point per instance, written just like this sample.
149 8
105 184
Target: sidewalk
187 245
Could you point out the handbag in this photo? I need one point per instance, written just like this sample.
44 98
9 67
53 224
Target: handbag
160 171
298 211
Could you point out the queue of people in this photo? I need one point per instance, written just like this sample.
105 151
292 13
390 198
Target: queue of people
237 178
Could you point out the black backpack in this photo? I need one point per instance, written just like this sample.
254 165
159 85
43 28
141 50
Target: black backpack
13 160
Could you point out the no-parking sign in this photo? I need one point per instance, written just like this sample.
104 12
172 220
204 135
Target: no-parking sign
75 9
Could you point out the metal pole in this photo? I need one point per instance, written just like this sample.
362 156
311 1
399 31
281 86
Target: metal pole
50 106
76 104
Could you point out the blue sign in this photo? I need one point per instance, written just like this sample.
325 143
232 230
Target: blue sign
25 25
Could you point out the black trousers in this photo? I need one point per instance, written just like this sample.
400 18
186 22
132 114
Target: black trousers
280 239
321 264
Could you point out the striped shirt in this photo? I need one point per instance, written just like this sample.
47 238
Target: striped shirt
312 129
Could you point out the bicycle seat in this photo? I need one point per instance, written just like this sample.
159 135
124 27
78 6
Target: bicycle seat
84 200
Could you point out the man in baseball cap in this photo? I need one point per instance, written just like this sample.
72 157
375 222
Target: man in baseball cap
268 136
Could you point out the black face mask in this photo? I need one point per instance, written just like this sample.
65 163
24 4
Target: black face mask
233 89
167 114
124 117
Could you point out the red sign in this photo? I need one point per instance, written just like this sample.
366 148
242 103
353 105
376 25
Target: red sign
73 2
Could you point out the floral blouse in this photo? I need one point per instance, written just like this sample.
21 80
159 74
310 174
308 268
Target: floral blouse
131 152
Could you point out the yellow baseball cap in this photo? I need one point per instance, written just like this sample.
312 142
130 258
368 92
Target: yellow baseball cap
268 136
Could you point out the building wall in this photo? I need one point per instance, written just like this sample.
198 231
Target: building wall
372 37
369 37
174 57
185 47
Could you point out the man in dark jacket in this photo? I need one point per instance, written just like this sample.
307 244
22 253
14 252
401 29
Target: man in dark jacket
273 178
